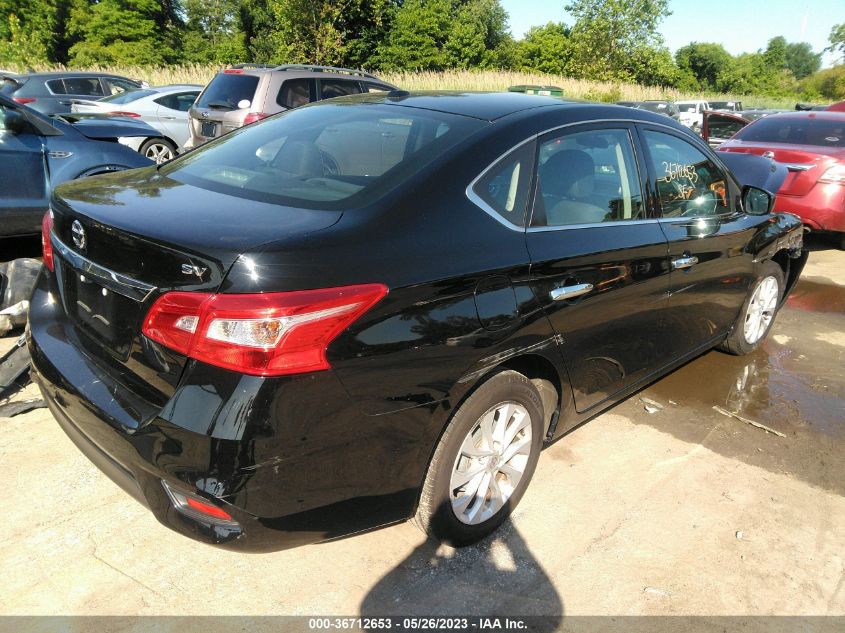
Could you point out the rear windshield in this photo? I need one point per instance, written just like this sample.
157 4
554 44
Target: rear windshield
226 91
325 155
652 106
128 97
794 131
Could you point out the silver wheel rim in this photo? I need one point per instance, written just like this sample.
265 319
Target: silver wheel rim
490 463
159 152
761 309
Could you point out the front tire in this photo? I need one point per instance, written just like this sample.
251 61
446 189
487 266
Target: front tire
758 312
158 150
483 463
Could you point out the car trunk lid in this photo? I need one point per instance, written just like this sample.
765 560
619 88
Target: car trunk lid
804 164
123 240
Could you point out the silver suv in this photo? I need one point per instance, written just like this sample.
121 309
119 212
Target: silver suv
247 93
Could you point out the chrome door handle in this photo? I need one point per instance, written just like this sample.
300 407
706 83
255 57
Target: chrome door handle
169 118
684 262
570 292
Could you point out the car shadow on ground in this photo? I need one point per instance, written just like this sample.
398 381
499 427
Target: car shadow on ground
497 577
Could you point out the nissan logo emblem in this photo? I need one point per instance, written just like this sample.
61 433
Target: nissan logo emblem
78 234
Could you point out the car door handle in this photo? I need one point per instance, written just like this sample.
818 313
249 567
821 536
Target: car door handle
169 118
687 261
570 292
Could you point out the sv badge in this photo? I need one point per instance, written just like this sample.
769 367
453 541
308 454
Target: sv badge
190 269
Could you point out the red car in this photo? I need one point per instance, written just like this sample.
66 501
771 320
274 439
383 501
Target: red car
812 146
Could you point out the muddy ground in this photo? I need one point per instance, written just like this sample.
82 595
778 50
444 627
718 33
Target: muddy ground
679 511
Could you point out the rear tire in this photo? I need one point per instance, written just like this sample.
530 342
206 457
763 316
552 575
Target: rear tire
158 150
483 462
758 312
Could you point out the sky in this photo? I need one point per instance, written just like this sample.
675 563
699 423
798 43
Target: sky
741 26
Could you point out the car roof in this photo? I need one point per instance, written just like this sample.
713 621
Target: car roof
487 106
824 115
66 73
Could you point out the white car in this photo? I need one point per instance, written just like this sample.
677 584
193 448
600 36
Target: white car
691 113
164 108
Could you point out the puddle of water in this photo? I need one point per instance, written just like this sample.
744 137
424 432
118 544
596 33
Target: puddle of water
810 296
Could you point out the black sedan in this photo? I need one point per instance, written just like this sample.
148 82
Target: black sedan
383 307
37 152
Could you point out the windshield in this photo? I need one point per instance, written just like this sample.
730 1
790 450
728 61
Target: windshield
795 131
226 91
128 97
331 155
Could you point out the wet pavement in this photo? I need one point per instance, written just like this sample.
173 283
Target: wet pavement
679 511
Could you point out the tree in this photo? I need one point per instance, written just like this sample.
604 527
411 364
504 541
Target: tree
120 32
546 49
608 34
33 31
837 40
416 40
775 53
478 33
801 60
255 18
213 32
21 47
705 61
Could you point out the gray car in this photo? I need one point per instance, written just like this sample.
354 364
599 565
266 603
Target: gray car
247 93
164 108
53 92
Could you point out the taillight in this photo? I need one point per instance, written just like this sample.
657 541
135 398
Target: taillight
46 244
270 334
233 71
252 117
133 115
834 175
24 100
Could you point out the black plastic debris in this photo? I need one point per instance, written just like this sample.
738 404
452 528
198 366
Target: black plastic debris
14 369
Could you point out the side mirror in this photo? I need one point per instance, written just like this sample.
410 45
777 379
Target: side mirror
14 121
756 201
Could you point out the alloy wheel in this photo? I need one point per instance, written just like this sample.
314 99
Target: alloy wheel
761 309
159 152
490 463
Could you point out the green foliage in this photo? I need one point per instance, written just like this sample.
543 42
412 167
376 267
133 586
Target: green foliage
837 40
828 84
704 62
801 60
119 32
610 36
212 32
546 49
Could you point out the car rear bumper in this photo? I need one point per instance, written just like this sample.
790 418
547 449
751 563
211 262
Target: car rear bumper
823 209
286 486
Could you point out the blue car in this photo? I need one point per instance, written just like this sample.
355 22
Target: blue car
38 152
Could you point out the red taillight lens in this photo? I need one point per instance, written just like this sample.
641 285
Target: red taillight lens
269 334
24 100
133 115
207 508
233 71
252 117
834 175
46 244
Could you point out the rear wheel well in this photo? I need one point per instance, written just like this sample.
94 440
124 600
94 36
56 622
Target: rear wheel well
542 373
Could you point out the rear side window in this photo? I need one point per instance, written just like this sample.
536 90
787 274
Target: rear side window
118 86
794 131
503 188
227 90
85 86
323 156
689 184
56 86
372 87
295 93
587 177
331 88
181 101
723 127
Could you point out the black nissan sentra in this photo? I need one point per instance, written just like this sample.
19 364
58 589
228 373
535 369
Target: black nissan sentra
383 307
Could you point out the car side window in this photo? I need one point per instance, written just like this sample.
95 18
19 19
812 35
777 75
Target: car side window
181 101
118 86
371 87
689 184
331 88
83 86
56 86
587 177
295 93
504 187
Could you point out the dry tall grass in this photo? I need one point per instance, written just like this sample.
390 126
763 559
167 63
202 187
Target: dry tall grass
464 80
